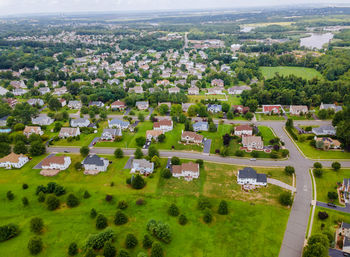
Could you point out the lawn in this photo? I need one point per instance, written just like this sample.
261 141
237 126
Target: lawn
328 183
305 73
262 117
267 134
231 100
298 117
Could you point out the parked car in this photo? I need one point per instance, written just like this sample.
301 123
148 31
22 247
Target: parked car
253 159
332 205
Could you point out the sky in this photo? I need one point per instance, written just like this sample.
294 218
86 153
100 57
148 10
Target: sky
10 7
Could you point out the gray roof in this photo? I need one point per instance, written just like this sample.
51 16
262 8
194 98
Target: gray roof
119 122
323 129
94 160
249 172
79 120
346 241
113 132
143 163
200 124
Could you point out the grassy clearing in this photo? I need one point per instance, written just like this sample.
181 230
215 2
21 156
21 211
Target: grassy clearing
305 73
266 133
262 117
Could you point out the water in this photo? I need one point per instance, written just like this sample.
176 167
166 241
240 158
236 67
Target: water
316 40
247 29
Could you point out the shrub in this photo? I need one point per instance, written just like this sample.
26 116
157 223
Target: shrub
118 153
123 253
183 219
173 210
140 141
25 186
73 249
289 170
223 209
101 222
200 162
8 231
317 165
332 195
84 151
142 254
90 253
86 194
166 173
35 245
285 198
120 218
138 154
41 197
72 201
317 245
93 213
175 161
138 182
10 195
147 242
207 217
140 201
109 198
52 202
130 241
97 241
285 152
122 205
109 250
78 165
322 215
239 153
274 154
152 151
203 203
255 154
157 250
159 230
318 172
336 166
36 225
25 201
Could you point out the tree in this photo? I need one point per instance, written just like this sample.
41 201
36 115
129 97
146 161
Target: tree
173 210
223 209
35 245
152 151
322 215
122 205
36 225
138 153
118 153
336 166
54 104
166 173
161 138
25 201
120 218
163 109
332 195
317 165
24 112
5 149
86 194
52 202
84 151
90 253
207 217
289 123
317 245
155 159
157 250
252 104
212 127
8 231
41 197
37 148
130 241
101 222
72 201
203 203
183 219
285 198
109 250
318 172
20 148
73 249
147 242
123 253
93 213
289 170
138 182
141 117
175 161
140 141
10 196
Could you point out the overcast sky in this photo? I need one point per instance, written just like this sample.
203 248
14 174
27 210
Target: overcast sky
9 7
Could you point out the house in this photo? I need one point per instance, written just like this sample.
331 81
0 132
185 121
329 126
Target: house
118 105
345 232
326 143
252 142
142 105
44 90
69 132
143 166
243 130
56 162
186 106
80 122
42 120
346 189
240 109
13 161
153 134
96 103
164 125
298 109
189 171
237 90
75 104
324 130
217 82
215 91
11 102
272 109
94 164
201 126
214 108
173 90
191 137
3 91
28 130
193 90
330 106
62 101
60 91
117 123
249 176
19 91
35 101
136 90
110 134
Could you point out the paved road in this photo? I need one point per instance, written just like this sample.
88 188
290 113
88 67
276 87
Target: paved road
345 209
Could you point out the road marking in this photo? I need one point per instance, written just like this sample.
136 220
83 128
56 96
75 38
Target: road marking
305 188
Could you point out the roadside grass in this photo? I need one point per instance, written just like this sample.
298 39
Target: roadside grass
257 220
305 73
262 117
266 134
328 183
298 117
216 137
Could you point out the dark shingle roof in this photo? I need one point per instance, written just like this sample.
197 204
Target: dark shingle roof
94 160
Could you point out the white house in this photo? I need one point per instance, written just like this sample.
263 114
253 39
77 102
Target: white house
42 120
142 105
117 123
324 130
188 171
245 130
69 132
79 122
143 166
28 130
56 162
110 134
74 104
201 126
94 164
249 176
164 125
13 161
153 134
298 109
252 142
237 90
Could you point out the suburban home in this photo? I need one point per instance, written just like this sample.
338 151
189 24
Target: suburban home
330 106
298 109
56 162
191 137
345 232
19 91
165 103
60 91
142 105
117 123
164 125
69 132
201 126
217 82
185 106
215 91
136 90
143 166
237 90
28 130
13 161
62 101
118 105
249 176
44 90
94 164
42 120
35 101
3 91
193 90
97 103
153 134
75 104
243 130
214 108
188 171
110 134
326 143
272 109
80 122
324 130
173 90
240 109
252 142
11 102
346 189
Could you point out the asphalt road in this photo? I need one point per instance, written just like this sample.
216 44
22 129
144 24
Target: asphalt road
345 209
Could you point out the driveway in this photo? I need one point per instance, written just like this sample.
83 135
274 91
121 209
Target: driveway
281 184
38 166
129 163
94 141
127 111
206 146
345 209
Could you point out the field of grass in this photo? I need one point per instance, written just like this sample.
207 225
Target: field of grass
258 219
328 183
266 133
305 73
297 117
262 117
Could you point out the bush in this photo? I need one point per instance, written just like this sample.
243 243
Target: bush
86 194
73 249
118 153
36 225
289 170
93 213
203 203
90 253
122 205
41 197
147 242
25 186
318 172
35 245
138 182
130 241
336 166
317 245
140 201
78 165
254 154
332 195
8 231
207 217
120 218
166 173
173 210
52 202
317 165
138 154
239 153
223 209
123 253
274 154
84 151
140 141
72 201
25 201
109 198
157 250
109 250
322 215
200 162
97 241
175 161
101 222
285 199
10 195
285 152
183 219
159 230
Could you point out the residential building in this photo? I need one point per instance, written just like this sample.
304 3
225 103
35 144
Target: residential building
217 82
193 90
13 161
298 109
191 137
75 104
164 125
214 108
35 101
62 101
173 90
188 171
142 105
326 143
117 123
97 103
28 130
237 90
243 130
44 90
345 232
249 176
94 164
165 103
324 130
3 91
19 91
215 91
118 105
110 134
11 102
330 106
142 166
185 106
136 90
272 109
56 162
80 122
60 91
240 109
69 132
42 120
252 142
201 126
153 134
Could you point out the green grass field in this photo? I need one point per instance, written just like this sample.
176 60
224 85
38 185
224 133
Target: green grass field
254 218
305 73
262 117
266 133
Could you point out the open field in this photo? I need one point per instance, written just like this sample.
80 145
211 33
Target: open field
262 117
266 133
305 73
258 219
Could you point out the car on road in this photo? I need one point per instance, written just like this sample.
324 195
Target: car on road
253 159
66 151
332 205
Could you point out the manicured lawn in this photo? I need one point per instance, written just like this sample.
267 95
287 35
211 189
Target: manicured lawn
231 100
328 183
216 137
258 219
305 73
234 100
262 117
298 117
266 134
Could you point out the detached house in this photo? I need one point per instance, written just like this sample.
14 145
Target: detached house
327 143
298 109
69 132
44 90
249 176
237 90
94 164
240 109
80 122
185 106
97 103
142 105
330 106
13 161
42 120
217 82
189 171
346 189
56 163
28 130
164 125
252 142
60 91
143 166
116 123
243 130
191 137
75 104
272 109
35 101
214 108
215 91
118 105
324 130
136 90
201 126
193 90
174 90
153 134
110 134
